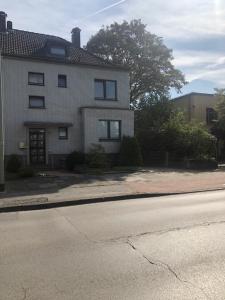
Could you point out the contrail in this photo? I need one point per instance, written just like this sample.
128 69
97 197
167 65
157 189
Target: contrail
103 9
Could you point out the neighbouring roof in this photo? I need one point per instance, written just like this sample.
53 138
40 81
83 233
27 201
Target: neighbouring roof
25 44
191 94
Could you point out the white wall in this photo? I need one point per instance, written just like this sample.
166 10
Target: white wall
92 116
62 104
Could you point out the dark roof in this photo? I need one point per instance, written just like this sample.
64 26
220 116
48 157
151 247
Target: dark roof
192 94
25 44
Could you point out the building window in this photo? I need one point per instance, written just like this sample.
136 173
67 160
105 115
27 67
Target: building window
211 115
63 133
62 81
109 130
58 51
36 102
105 89
35 78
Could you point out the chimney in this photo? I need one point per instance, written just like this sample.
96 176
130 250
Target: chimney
3 16
76 37
9 25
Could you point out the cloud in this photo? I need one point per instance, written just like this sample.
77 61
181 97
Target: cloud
104 9
194 29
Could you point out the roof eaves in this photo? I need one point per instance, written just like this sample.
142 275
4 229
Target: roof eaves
63 61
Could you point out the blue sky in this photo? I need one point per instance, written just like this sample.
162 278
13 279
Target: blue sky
194 29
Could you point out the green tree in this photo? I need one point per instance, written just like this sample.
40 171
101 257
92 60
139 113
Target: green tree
130 153
159 127
218 128
220 103
145 54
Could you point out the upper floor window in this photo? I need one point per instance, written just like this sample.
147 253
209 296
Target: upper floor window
36 102
58 51
62 81
105 89
211 115
36 78
109 130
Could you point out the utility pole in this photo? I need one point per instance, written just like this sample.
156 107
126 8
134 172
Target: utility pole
2 167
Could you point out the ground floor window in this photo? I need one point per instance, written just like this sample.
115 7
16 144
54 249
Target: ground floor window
109 130
63 133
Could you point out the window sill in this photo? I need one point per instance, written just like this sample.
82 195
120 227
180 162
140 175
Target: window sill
38 84
106 99
31 107
63 87
110 140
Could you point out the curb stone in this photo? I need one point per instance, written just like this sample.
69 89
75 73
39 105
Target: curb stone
65 203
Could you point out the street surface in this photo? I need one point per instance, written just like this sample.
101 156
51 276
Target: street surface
158 248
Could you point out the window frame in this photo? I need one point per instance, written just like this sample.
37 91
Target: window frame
65 76
63 138
104 81
209 121
109 139
35 107
57 54
38 73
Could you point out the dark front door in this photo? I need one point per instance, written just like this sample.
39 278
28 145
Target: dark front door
37 146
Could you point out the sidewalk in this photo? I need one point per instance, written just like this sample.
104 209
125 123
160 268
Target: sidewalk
60 188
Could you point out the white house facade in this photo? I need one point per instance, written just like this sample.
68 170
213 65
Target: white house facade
58 98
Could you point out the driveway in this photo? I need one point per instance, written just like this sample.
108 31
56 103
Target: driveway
160 248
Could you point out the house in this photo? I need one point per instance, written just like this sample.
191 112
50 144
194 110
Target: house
58 98
197 107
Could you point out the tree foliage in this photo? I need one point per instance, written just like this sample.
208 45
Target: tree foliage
218 129
145 54
130 153
159 127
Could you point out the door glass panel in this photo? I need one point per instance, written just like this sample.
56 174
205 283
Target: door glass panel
37 146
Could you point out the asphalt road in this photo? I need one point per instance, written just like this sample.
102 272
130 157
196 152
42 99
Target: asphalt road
157 248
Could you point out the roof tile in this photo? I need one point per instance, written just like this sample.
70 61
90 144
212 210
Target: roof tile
32 45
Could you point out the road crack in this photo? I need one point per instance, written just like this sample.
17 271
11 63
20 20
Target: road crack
77 230
25 291
164 231
161 264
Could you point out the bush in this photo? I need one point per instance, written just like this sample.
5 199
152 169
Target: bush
73 159
96 157
14 163
202 164
26 172
130 153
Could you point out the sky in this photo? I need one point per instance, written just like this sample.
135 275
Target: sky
193 29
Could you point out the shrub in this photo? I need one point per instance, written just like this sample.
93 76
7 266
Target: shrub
26 172
130 153
96 157
73 159
14 163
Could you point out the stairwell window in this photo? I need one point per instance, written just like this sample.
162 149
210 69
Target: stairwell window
105 89
62 81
